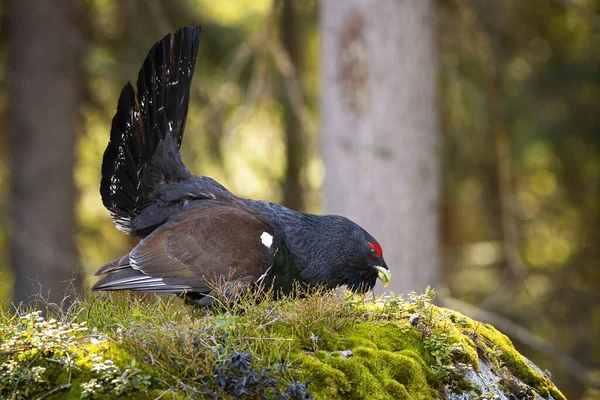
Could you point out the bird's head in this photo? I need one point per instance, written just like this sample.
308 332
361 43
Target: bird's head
336 251
364 262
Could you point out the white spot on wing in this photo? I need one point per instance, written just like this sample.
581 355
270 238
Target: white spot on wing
266 239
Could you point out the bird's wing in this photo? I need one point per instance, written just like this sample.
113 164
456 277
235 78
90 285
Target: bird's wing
206 245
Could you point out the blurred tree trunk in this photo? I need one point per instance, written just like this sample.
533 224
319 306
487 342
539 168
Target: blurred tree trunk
380 130
293 193
45 83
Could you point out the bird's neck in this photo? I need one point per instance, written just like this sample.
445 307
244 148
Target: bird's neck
312 240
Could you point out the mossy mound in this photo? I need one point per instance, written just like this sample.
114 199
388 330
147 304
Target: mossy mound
319 345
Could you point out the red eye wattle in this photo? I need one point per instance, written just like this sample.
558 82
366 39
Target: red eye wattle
377 249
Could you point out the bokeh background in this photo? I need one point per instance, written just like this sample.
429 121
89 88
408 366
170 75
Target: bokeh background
518 105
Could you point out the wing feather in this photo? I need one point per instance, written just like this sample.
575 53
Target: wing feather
203 245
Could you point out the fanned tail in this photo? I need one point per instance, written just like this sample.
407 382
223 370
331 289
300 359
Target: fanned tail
146 131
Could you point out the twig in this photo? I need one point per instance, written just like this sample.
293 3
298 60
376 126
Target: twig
14 394
262 326
523 335
55 390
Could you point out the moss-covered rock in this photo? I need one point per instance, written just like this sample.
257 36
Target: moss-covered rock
299 347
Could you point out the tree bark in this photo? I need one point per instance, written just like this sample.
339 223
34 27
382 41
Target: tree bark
45 83
380 130
295 146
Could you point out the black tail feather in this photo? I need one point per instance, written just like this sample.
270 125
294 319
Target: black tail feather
146 133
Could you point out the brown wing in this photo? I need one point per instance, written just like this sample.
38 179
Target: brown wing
208 243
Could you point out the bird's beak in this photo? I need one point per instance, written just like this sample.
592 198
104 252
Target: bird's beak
383 274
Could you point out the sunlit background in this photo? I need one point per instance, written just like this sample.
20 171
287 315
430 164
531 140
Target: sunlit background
519 106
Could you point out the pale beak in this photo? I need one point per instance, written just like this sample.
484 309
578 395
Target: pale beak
383 274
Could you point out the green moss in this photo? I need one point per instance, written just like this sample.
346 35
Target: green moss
395 390
388 362
362 382
353 341
391 359
385 335
369 374
414 355
324 379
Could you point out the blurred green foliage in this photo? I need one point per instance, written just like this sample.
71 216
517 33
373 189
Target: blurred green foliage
526 71
547 71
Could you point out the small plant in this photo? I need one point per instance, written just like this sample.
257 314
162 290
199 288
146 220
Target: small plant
44 356
392 303
494 353
486 349
110 379
235 376
33 347
419 306
446 353
460 322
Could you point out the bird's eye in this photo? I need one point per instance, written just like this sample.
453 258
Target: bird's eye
375 249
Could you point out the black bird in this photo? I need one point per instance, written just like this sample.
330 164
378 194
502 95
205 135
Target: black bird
193 231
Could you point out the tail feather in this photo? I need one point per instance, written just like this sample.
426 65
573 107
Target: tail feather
132 279
146 132
120 182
